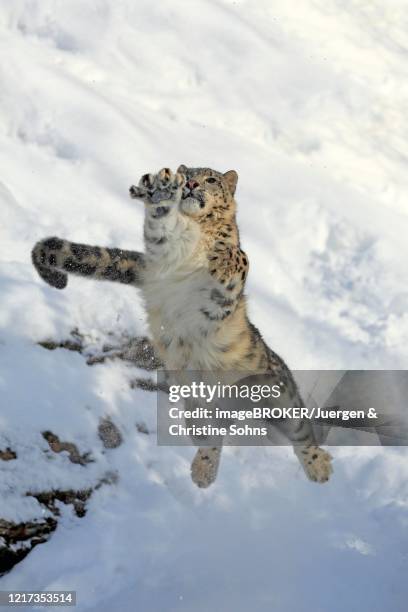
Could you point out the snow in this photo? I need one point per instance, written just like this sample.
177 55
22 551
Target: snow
307 101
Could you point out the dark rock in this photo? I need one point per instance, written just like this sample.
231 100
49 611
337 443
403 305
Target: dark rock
57 447
109 434
7 454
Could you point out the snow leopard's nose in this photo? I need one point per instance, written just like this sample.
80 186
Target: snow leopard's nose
192 184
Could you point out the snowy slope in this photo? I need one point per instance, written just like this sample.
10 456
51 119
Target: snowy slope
307 101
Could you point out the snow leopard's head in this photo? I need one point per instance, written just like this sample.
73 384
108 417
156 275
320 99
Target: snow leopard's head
207 192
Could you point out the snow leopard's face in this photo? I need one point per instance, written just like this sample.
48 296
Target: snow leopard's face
207 191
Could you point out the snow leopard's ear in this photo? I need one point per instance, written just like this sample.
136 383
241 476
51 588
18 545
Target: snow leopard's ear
182 169
231 178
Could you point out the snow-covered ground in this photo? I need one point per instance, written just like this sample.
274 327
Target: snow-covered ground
307 101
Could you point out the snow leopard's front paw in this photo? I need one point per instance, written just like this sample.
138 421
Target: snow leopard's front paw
162 189
316 462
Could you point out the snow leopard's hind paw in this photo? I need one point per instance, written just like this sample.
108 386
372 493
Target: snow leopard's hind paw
205 465
163 188
316 462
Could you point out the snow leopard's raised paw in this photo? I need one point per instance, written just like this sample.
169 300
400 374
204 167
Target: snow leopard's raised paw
163 188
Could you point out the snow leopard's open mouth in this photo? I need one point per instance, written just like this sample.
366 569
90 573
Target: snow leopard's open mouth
192 203
189 195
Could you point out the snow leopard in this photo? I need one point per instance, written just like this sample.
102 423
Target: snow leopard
192 276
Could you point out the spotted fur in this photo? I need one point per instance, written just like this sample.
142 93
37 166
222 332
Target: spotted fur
192 277
55 258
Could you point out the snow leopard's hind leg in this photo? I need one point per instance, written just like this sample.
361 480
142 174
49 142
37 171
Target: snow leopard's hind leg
54 259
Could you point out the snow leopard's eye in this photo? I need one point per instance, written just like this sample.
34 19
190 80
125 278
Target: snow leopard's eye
211 179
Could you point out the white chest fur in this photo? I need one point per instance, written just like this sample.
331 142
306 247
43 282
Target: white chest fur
177 288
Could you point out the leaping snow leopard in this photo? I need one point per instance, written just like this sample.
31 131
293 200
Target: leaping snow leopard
193 264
